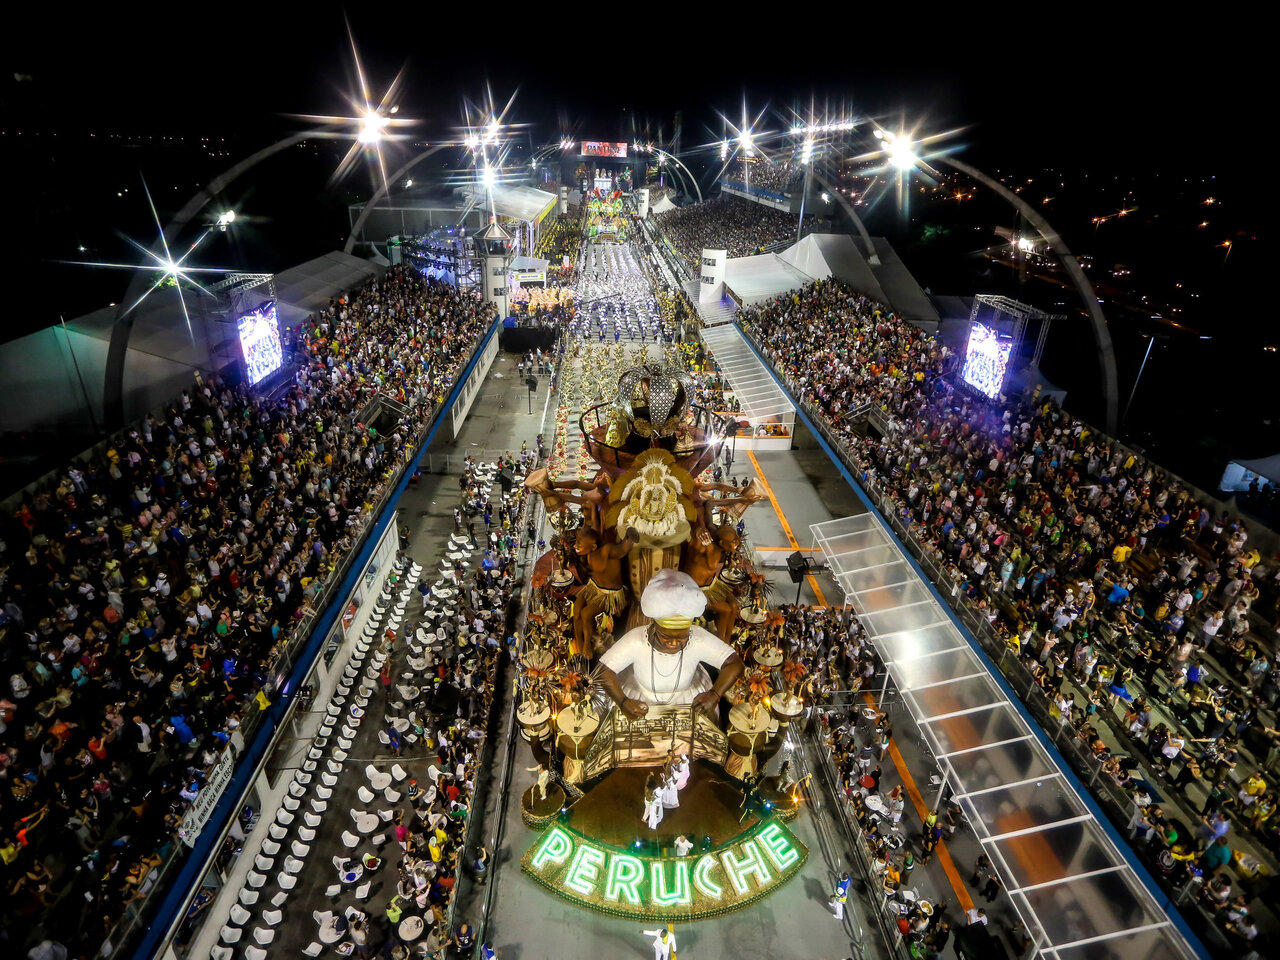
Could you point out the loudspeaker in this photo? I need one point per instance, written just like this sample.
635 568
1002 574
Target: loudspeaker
797 566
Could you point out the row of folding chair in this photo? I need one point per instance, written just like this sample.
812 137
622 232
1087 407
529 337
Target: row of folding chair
294 827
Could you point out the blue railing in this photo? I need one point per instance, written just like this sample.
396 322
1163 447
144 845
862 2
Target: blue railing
193 870
1160 896
755 191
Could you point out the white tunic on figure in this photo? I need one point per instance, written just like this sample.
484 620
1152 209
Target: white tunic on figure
653 810
670 795
682 774
662 948
663 678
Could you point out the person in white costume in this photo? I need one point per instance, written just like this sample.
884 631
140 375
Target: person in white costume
664 941
683 846
670 794
666 662
652 803
682 771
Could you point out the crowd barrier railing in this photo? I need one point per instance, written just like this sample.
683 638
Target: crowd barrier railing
1114 802
288 672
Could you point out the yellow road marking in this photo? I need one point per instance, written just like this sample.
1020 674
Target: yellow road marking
917 801
786 527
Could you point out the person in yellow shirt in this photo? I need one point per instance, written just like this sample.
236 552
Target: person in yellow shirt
1121 553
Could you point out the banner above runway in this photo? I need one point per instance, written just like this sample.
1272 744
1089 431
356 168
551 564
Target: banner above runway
638 886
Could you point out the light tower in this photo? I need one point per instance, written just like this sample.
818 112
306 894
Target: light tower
493 245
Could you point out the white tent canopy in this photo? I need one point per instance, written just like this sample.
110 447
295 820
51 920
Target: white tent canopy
1240 473
663 205
762 277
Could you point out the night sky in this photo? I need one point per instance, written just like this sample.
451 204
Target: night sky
1155 103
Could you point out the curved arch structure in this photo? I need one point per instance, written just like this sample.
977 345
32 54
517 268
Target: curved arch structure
382 192
1101 333
847 207
688 173
122 328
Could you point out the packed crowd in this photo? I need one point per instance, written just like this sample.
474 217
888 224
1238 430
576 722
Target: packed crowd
1139 610
559 242
773 177
150 589
741 227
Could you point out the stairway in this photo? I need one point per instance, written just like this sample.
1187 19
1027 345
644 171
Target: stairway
712 314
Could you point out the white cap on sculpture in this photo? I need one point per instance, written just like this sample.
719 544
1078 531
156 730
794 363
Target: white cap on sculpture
673 599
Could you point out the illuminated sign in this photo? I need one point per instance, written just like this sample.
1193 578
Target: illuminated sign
599 148
631 884
529 276
986 359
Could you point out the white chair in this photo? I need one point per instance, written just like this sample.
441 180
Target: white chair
324 793
362 891
270 847
263 863
313 949
297 790
378 839
328 779
302 777
248 897
378 780
339 755
348 733
279 899
263 936
221 953
286 880
398 771
358 712
255 879
291 803
277 832
255 953
305 835
319 806
239 915
293 865
350 840
311 820
321 916
230 934
308 766
364 793
344 743
300 849
284 817
386 815
385 739
391 795
333 890
272 917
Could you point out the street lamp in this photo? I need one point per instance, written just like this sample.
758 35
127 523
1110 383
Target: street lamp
372 127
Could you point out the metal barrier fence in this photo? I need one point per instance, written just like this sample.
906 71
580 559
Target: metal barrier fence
136 917
1114 802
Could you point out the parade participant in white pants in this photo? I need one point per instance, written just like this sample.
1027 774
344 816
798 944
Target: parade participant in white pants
664 943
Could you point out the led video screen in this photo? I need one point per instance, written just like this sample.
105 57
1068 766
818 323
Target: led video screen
599 148
260 342
986 359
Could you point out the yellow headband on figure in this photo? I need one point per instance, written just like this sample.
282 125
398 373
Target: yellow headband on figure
674 623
